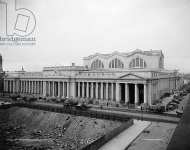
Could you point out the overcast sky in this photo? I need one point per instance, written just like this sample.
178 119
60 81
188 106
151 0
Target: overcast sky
68 30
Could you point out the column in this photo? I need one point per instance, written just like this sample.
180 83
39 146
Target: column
126 92
26 87
117 93
13 86
96 90
6 82
16 86
72 89
9 86
68 90
31 85
49 86
92 91
106 91
150 94
63 90
136 94
59 89
44 88
87 89
112 91
39 87
53 89
145 93
83 89
22 86
101 90
79 90
9 89
36 85
4 86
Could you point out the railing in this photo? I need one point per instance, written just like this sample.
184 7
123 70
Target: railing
73 111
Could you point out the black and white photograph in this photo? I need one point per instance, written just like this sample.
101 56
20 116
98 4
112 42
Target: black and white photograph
94 74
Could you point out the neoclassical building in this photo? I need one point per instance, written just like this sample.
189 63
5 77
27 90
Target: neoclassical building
136 77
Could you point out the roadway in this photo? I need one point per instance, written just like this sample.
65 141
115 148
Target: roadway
133 114
142 116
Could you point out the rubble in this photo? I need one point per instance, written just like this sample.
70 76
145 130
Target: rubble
23 128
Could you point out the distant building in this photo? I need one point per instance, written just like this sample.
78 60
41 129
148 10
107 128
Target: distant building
136 77
186 78
1 74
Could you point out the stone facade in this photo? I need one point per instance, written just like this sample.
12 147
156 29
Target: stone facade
137 77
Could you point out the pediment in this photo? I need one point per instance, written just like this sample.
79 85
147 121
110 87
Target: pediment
131 76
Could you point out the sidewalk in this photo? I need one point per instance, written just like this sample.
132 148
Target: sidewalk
123 140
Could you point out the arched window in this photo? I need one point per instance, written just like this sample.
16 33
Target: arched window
137 63
116 63
97 64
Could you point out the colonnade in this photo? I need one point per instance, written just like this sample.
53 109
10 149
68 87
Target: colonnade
99 90
108 91
23 86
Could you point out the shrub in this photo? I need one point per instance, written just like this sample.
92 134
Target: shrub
90 101
165 95
97 102
116 105
32 99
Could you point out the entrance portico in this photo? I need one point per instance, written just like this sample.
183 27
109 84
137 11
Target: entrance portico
132 93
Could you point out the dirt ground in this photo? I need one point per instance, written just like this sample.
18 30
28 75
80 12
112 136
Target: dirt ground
155 137
23 128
